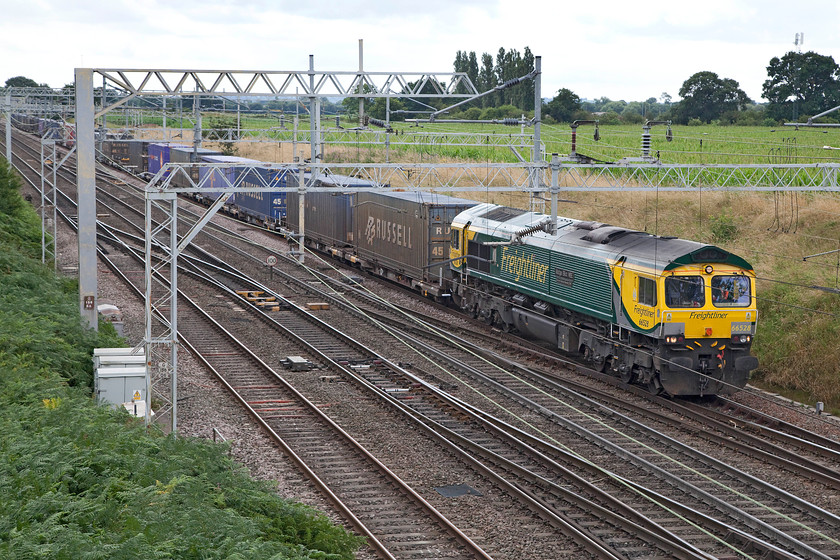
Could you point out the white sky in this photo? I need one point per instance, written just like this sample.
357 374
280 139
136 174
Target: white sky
612 48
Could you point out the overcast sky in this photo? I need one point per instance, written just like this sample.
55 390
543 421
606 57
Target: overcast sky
612 48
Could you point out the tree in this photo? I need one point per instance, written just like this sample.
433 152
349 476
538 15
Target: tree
486 79
379 108
634 112
614 106
706 96
563 107
350 105
221 127
509 65
472 68
801 83
528 87
21 81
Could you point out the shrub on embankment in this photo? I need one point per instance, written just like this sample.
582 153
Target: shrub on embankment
82 481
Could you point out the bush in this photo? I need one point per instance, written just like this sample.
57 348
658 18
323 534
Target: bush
723 227
610 117
632 118
695 122
502 112
472 114
82 481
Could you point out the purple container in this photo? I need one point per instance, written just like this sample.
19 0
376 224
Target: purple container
213 178
159 155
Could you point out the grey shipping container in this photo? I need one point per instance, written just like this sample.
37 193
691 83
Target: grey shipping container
406 233
179 154
328 218
130 154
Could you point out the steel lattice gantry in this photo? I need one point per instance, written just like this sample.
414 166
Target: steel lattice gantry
531 177
161 336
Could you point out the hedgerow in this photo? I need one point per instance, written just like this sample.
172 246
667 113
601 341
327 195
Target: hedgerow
80 481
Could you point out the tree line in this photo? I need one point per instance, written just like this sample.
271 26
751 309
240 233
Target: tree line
799 85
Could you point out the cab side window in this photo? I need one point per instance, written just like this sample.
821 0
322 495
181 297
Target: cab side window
647 291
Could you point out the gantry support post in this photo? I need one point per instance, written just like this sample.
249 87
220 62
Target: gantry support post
86 185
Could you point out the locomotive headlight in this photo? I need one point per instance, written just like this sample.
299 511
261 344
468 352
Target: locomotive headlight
709 269
741 338
674 339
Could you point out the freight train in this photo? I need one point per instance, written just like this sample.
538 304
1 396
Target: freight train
670 314
673 315
51 129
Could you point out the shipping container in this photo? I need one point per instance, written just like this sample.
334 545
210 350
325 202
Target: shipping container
265 208
328 218
159 155
189 154
130 154
404 235
50 129
215 177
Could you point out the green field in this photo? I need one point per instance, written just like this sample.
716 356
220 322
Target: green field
707 144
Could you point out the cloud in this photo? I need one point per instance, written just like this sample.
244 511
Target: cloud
614 49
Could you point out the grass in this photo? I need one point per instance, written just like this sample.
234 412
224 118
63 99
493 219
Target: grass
84 481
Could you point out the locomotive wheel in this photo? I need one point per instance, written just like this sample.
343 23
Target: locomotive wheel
490 319
628 375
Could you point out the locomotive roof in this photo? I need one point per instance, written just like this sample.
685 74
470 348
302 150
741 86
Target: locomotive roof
597 240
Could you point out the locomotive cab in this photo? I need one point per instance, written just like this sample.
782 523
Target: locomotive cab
698 318
672 314
708 323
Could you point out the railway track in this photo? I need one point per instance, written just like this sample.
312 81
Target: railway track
799 544
419 541
539 473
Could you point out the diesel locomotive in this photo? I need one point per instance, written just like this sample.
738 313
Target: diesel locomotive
675 315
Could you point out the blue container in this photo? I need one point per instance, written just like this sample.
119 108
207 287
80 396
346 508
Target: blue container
214 177
159 155
266 208
49 129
